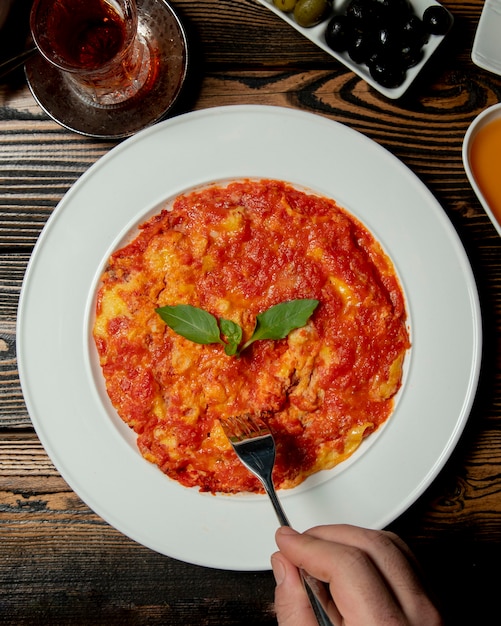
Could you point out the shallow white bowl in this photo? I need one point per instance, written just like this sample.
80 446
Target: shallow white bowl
96 453
479 122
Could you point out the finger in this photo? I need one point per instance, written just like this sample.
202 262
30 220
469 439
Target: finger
357 587
394 560
361 537
291 602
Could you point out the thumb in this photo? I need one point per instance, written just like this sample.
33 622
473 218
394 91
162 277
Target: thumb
292 605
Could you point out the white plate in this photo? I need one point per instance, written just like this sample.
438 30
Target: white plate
316 34
486 117
486 51
98 457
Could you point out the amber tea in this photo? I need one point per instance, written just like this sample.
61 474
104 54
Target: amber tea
87 34
96 44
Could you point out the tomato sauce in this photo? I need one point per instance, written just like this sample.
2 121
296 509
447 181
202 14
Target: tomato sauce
235 251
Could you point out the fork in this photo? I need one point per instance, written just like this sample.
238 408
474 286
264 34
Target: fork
254 445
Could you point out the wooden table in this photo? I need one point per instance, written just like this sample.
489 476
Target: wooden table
59 562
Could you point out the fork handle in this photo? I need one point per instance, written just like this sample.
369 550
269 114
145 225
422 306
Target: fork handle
318 596
282 517
316 589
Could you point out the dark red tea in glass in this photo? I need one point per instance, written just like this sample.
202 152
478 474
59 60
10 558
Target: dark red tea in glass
96 45
88 36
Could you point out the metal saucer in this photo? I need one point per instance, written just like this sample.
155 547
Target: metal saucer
159 23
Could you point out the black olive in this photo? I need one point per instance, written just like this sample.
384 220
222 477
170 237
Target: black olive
410 55
387 72
386 35
337 33
414 32
437 20
359 48
388 39
393 11
361 12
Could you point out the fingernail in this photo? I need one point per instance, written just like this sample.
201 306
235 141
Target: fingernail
278 570
287 530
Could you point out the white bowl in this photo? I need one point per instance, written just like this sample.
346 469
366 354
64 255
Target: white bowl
479 122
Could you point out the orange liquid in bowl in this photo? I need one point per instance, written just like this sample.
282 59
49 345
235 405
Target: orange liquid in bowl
485 161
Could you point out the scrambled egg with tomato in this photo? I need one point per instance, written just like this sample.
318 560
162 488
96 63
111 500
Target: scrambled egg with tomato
236 250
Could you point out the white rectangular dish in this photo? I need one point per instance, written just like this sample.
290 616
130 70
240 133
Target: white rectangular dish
486 52
316 34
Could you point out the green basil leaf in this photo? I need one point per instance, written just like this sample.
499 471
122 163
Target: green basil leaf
230 349
279 320
201 327
191 323
233 333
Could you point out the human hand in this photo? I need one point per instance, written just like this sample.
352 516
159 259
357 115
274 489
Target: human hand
371 574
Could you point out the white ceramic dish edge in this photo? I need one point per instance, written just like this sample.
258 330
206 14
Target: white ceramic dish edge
493 112
486 50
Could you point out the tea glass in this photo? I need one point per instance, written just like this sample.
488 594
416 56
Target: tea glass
96 45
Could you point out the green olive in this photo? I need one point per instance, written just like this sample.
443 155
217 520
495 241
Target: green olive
310 12
285 5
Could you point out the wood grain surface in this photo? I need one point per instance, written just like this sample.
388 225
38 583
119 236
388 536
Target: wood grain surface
59 562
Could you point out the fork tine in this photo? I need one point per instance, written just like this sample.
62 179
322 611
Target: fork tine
253 443
245 426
